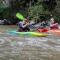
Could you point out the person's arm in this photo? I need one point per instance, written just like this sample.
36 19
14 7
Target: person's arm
54 24
20 24
23 26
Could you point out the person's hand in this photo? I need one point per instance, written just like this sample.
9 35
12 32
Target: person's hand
56 23
27 23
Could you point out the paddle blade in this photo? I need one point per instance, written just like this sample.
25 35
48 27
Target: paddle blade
20 16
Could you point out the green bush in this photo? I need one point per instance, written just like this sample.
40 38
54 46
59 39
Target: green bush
35 11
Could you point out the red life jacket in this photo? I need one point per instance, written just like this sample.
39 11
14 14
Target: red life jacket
54 26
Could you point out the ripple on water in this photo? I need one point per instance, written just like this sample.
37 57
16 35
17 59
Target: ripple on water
35 48
2 41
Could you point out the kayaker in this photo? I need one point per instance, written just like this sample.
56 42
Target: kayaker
24 25
53 24
44 24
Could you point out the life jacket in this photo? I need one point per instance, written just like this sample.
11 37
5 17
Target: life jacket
54 26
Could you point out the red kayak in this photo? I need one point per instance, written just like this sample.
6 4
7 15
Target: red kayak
52 31
43 30
56 32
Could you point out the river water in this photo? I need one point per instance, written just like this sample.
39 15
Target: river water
14 47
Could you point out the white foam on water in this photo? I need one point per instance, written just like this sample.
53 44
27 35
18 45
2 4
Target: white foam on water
20 43
2 41
57 48
10 59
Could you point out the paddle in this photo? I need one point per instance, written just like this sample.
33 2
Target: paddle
20 16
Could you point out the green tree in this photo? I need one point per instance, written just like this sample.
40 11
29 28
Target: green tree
49 5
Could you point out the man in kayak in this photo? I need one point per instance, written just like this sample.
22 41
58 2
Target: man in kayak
24 25
43 26
53 24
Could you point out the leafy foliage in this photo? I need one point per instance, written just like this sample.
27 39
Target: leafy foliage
49 4
35 9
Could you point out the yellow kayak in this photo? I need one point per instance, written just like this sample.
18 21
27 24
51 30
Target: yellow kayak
31 33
